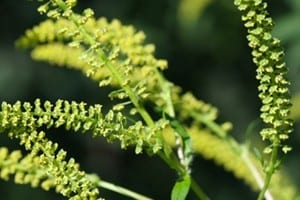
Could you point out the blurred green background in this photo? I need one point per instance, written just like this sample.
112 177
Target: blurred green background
204 43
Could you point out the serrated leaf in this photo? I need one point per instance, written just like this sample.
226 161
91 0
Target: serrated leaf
181 188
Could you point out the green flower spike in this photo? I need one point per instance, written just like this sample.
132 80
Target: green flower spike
271 71
273 85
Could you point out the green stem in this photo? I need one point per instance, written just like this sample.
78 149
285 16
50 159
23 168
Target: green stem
270 169
174 163
198 191
217 130
170 110
211 124
256 174
121 190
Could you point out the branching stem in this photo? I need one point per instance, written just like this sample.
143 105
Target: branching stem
167 154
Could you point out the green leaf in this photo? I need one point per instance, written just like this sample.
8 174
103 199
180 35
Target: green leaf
181 188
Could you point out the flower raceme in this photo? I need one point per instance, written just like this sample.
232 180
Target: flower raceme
271 71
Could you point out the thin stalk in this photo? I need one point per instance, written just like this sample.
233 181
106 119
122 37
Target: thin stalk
269 172
211 124
122 191
218 130
256 174
198 191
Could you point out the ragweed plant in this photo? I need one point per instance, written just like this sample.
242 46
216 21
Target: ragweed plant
149 112
271 71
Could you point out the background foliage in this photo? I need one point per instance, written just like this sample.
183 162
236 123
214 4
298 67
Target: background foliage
207 52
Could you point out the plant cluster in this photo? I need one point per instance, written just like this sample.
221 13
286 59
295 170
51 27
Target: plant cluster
149 112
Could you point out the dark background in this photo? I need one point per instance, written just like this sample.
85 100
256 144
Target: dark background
207 54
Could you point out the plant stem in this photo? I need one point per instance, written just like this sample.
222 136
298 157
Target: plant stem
198 191
174 163
167 154
256 174
270 169
121 190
